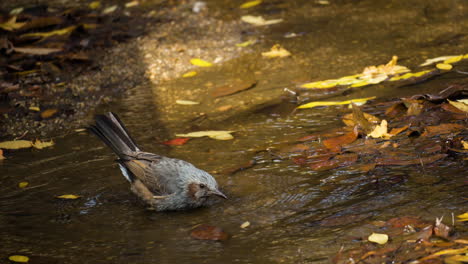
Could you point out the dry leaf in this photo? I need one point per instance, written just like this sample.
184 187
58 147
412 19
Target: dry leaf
18 258
131 4
42 144
200 63
245 224
11 24
232 88
463 217
109 9
189 74
206 232
260 21
465 144
276 51
246 43
219 135
176 141
94 5
444 66
59 32
459 105
250 4
378 238
16 144
434 60
23 184
328 103
68 196
335 143
1 155
36 51
380 131
48 113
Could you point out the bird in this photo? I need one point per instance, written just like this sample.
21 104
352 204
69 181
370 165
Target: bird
162 183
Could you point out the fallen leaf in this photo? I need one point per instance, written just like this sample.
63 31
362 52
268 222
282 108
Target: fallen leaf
335 143
380 131
11 24
68 196
328 103
259 20
200 63
250 4
18 258
36 51
219 135
342 160
109 9
445 252
434 60
1 155
232 88
34 108
377 74
276 51
23 184
378 238
246 43
94 5
463 217
176 141
189 74
42 144
409 75
59 32
224 108
16 11
444 128
454 59
245 224
346 80
459 105
186 102
16 144
131 4
207 232
395 131
48 113
349 119
465 144
397 109
444 66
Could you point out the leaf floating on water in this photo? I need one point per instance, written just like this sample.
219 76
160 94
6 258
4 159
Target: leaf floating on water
207 232
381 239
34 108
17 11
16 144
245 224
189 74
23 184
276 51
176 141
328 103
94 5
434 60
109 9
410 75
444 66
260 21
1 155
186 102
42 144
380 131
200 63
59 32
232 88
11 24
68 196
219 135
459 105
335 143
443 128
250 4
48 113
131 4
465 144
463 217
18 258
35 50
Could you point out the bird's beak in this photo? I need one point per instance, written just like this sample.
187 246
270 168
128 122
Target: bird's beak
218 193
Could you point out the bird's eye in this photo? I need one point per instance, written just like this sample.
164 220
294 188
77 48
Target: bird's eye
202 186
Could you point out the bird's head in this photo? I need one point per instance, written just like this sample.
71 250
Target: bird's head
201 189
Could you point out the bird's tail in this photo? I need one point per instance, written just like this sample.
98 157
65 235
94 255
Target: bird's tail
112 131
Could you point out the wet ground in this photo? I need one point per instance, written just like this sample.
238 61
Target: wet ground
284 203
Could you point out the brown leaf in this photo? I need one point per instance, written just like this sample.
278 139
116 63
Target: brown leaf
402 162
1 155
207 232
395 131
48 113
36 50
335 143
176 141
445 128
396 110
450 108
337 161
415 107
232 88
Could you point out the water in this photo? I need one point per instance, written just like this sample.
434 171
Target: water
290 208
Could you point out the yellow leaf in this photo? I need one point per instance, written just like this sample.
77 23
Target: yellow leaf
219 135
1 155
250 4
465 146
321 84
434 60
11 24
189 74
17 11
16 144
409 75
131 4
68 196
48 113
42 144
62 31
34 108
201 63
36 51
378 238
18 258
246 43
109 9
460 105
463 217
276 51
453 59
380 131
95 5
457 259
186 102
452 251
260 21
245 224
23 184
360 84
328 103
444 66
